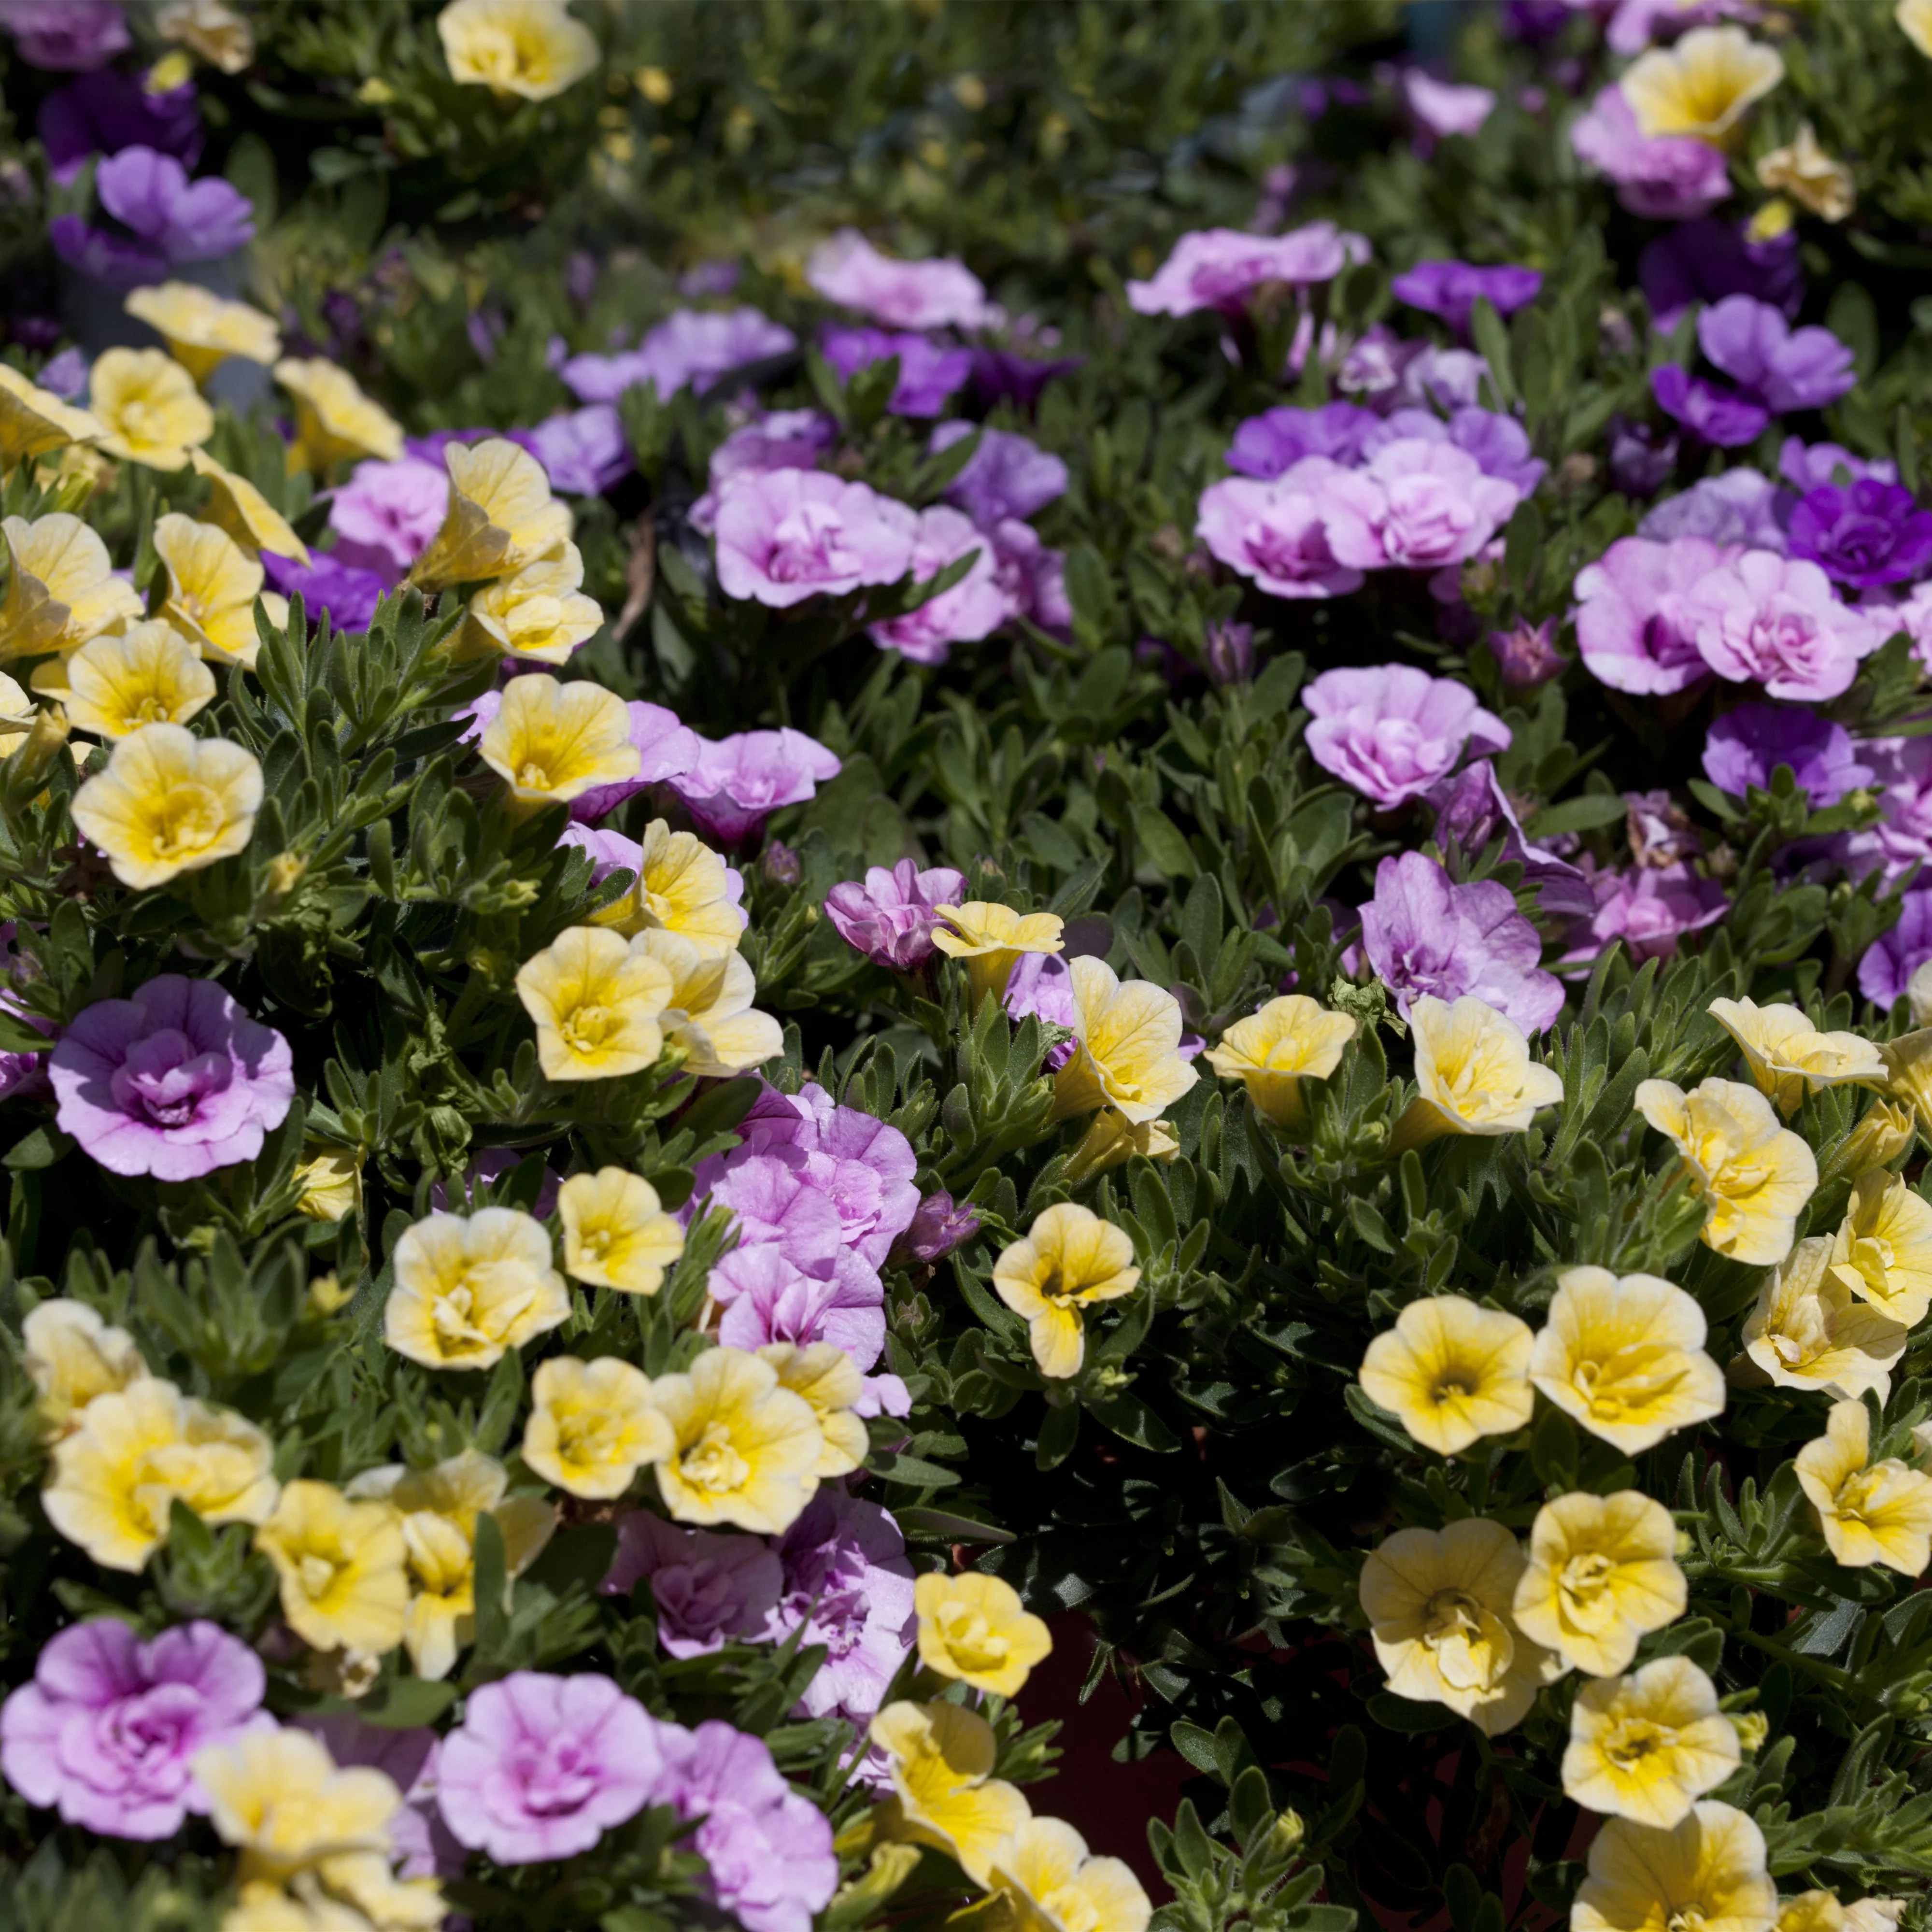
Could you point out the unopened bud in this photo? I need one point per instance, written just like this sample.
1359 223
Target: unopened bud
1752 1727
285 873
328 1295
1287 1834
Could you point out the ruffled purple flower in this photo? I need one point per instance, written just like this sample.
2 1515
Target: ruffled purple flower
1712 414
1472 809
1416 505
890 917
846 269
1032 576
104 112
1742 507
70 36
1499 443
1451 289
1889 962
940 1226
1633 627
1707 260
584 450
1807 466
1267 446
665 749
174 1082
1780 367
787 534
1651 907
691 347
1863 534
766 1297
1007 475
1746 744
1901 770
1216 268
1389 732
1042 985
735 783
385 515
765 1190
974 607
1774 621
709 1590
1663 177
343 592
1277 533
1435 378
150 194
848 1585
929 375
779 439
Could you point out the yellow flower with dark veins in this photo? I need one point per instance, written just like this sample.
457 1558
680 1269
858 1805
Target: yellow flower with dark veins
1452 1372
1069 1259
990 938
1703 86
615 1233
147 674
1603 1571
530 48
1869 1512
335 421
1271 1052
1707 1872
1882 1251
1055 1885
1126 1048
60 586
745 1449
1786 1054
468 1287
975 1628
592 1426
340 1563
597 1004
148 407
941 1756
1808 1332
1647 1747
501 517
550 741
202 330
169 802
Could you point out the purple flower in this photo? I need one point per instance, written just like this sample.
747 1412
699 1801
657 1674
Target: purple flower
771 1201
1711 414
847 269
846 1583
1760 618
386 513
1499 443
779 440
1811 466
890 918
1451 289
115 261
1666 177
1000 375
1423 934
72 35
610 851
708 1589
1041 985
1641 458
690 346
1440 108
1891 960
1472 809
1632 627
65 374
1227 653
1032 577
174 1082
1707 260
408 1759
1435 378
940 1226
1746 744
929 374
150 192
1782 368
1391 731
100 113
1215 268
1635 24
541 1767
787 534
1527 654
1272 443
348 596
766 1297
1901 770
1416 505
735 784
665 748
108 1726
1276 532
1864 534
1007 475
1650 907
974 607
1740 506
585 451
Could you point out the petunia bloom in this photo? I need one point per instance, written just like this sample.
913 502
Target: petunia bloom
148 407
787 534
596 1000
1788 1056
340 1564
991 938
71 35
469 1287
1390 731
846 269
1882 1250
1746 744
202 330
1603 1572
1753 1174
1216 267
1068 1260
706 1590
744 1450
616 1234
735 784
939 1757
1473 1074
1451 289
690 348
1869 1512
1045 1873
1276 532
1702 86
1290 1039
1451 1371
1647 1747
71 1356
1662 177
61 588
1634 627
930 374
1807 1331
592 1426
214 586
1007 475
973 608
1417 504
1863 533
1778 368
335 421
533 49
974 1628
1126 1047
891 918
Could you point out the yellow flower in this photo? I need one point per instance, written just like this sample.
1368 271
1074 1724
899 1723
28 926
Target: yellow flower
531 48
60 586
201 330
469 1287
35 421
1438 1603
990 938
975 1628
944 1793
335 421
1647 1747
1869 1512
340 1564
1056 1885
1703 86
1806 1331
538 612
745 1449
1625 1357
1110 1139
19 719
1786 1052
683 887
1271 1052
1707 1872
236 506
137 1448
1602 1571
615 1233
593 1425
331 1181
1473 1073
213 584
1451 1371
1812 1912
501 517
438 1508
1753 1174
1803 170
596 1004
169 802
1915 22
148 407
278 1795
1882 1251
71 1356
1126 1054
1882 1132
550 741
147 674
1069 1258
710 1012
829 1380
220 35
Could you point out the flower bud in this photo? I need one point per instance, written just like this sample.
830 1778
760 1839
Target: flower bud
1752 1727
1881 1135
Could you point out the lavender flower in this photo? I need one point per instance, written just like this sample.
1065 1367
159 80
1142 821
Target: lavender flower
787 534
972 608
1775 621
1272 443
1032 577
1472 809
103 112
1889 962
690 347
1526 654
585 451
1901 771
779 439
766 1191
1440 108
1863 534
1451 289
929 374
1277 533
1711 414
1707 260
848 1585
1633 627
1811 466
1746 744
1007 475
385 515
847 269
1641 458
1650 908
1499 443
1002 375
939 1226
1665 177
1774 364
766 1297
1390 732
343 592
735 784
1415 504
1041 985
150 192
70 35
1216 268
1742 507
708 1589
890 917
665 748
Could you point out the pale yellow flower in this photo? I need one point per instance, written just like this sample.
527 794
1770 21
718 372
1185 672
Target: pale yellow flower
550 741
1110 1139
213 586
530 48
745 1450
36 422
593 1425
1774 217
1915 22
709 1013
539 611
331 1181
1812 1912
1701 86
1753 1174
1883 1132
340 1563
147 674
236 506
169 802
148 408
138 1448
1874 1915
501 517
944 1793
596 1003
1055 1885
202 330
1869 1512
615 1233
1786 1052
278 1795
1438 1606
60 586
1069 1259
1452 1372
20 717
828 1379
220 35
1647 1747
1603 1571
1625 1357
975 1628
991 938
71 1356
1882 1251
1126 1043
469 1287
684 887
1908 1066
335 421
1807 1332
1291 1040
1707 1872
1473 1074
1803 170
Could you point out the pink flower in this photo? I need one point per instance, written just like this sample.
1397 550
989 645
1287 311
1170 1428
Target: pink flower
1666 177
767 1298
174 1082
973 608
890 918
1776 621
1650 907
1276 532
735 784
1441 108
846 268
690 346
1215 268
1632 626
1032 575
386 513
1417 504
1392 731
787 534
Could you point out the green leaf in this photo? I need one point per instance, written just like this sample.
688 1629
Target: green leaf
1161 840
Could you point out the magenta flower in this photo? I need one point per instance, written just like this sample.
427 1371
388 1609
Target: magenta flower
1889 962
385 515
1742 507
1713 415
585 451
1776 621
108 1726
787 534
735 784
1864 534
928 374
1665 177
690 347
1632 628
1268 445
66 35
940 1226
1007 475
974 607
766 1297
190 221
1745 746
541 1767
1041 985
847 269
1526 654
708 1590
666 749
1277 533
1772 363
1451 289
1416 505
890 917
174 1082
1651 907
765 1190
1216 268
1391 731
846 1582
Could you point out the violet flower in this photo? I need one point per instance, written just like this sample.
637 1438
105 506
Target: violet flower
1032 577
1002 375
929 374
1227 653
343 592
103 112
1472 809
690 347
974 607
938 1227
847 269
150 192
665 749
779 440
174 1082
1807 466
735 783
1041 985
1216 267
1499 443
1707 260
847 1585
70 36
1415 504
1713 415
1641 458
1901 771
1780 367
1776 621
1526 654
766 1297
1007 475
787 534
489 1166
709 1590
1885 971
1863 534
1389 732
1742 507
1277 533
1632 629
890 917
1746 746
771 1200
1663 177
1451 289
610 851
386 513
585 451
1435 378
1268 445
1650 908
118 262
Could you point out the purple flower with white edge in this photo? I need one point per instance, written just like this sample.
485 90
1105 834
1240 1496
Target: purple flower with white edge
929 375
974 607
1651 907
1782 368
1863 534
385 515
174 1082
665 749
68 36
1807 466
1707 260
1742 507
345 593
1776 621
940 1225
1422 934
1499 443
889 918
737 783
846 269
1713 415
1471 809
1451 289
787 534
102 112
1007 475
1885 971
709 1590
1216 268
766 1298
1441 108
1277 533
848 1585
1633 627
1042 985
408 1759
1746 744
1268 445
1390 731
584 450
106 1729
1662 177
690 347
1415 504
150 192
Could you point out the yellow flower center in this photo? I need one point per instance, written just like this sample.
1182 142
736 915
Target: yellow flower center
1630 1381
594 1242
151 710
1472 1646
318 1576
1585 1578
971 1641
142 424
1452 1385
1874 1257
1859 1494
712 1464
586 1027
535 775
185 819
1688 1918
1071 1909
587 1440
1633 1741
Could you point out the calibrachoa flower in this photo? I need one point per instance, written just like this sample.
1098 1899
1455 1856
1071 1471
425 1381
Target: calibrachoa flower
1746 744
1473 1074
1886 968
201 331
1779 367
387 513
767 1297
1711 414
339 1564
1869 1512
1007 475
72 34
467 1287
500 515
213 587
60 587
1776 621
1753 1174
1451 1371
1126 1047
829 1381
974 1628
1863 533
1665 177
1268 445
1417 504
1276 531
1391 731
1069 1259
539 613
744 1449
1647 1747
71 1356
891 918
973 608
734 785
1788 1056
845 268
149 408
991 939
597 999
1703 86
1451 289
1603 1572
690 347
1882 1251
532 49
1290 1039
551 741
1634 625
847 1585
707 1591
929 373
1807 1332
940 1759
1216 267
335 421
1045 1868
787 534
592 1426
33 421
616 1234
